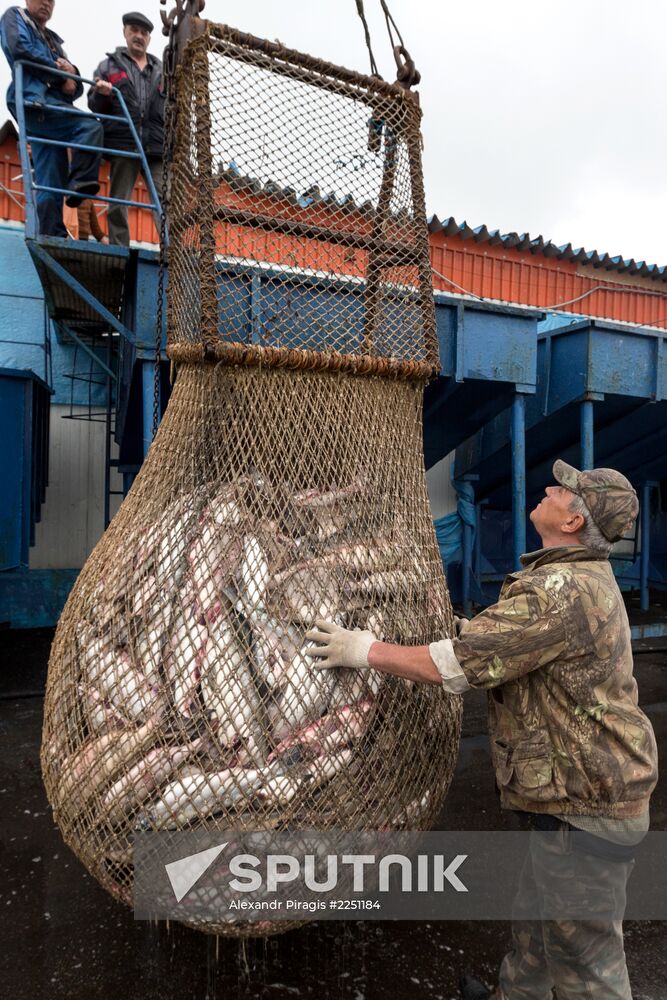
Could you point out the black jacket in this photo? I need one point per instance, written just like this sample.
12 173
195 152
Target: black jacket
118 68
21 38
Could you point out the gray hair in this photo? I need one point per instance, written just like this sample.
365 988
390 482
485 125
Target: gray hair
590 535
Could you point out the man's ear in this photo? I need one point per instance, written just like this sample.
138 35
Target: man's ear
574 524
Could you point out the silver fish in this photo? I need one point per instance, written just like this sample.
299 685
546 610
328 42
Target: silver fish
214 557
112 672
99 760
305 595
412 814
385 583
281 789
353 685
304 695
196 795
137 784
254 573
327 498
225 508
170 562
359 558
327 734
151 639
186 652
274 647
100 715
227 685
145 596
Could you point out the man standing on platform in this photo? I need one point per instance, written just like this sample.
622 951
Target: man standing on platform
49 113
138 76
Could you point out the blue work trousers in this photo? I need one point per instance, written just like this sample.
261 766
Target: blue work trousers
51 164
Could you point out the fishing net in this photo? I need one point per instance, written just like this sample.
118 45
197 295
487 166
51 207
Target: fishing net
285 484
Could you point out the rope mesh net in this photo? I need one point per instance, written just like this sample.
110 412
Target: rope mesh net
285 484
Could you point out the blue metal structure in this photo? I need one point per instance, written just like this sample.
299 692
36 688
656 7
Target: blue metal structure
488 353
95 299
89 289
488 358
601 397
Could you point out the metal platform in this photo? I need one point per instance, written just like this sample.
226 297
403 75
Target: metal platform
73 272
488 353
601 398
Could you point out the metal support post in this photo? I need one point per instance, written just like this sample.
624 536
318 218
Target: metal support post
477 555
518 478
148 388
586 434
645 551
466 568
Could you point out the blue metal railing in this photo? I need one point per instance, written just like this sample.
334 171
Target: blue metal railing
24 138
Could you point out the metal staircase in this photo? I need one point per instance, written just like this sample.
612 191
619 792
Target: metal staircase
91 290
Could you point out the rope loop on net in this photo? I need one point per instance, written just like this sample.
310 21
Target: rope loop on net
254 355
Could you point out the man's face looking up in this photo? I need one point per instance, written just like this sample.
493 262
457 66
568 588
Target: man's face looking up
553 514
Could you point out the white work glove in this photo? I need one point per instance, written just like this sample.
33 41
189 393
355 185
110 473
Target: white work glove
461 625
340 647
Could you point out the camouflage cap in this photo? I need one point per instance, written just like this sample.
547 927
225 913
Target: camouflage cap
609 496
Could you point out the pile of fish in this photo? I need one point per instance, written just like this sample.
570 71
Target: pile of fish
196 694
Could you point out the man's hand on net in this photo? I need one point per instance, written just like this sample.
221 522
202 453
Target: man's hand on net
338 647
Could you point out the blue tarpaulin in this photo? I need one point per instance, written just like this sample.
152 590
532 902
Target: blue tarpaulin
449 529
449 533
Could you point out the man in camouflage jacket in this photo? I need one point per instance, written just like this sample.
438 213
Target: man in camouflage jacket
570 746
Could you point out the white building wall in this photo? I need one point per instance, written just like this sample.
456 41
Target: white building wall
440 490
73 513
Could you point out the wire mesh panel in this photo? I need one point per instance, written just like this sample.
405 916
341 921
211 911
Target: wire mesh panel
297 208
286 484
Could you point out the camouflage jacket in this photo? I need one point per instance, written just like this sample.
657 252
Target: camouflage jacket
567 735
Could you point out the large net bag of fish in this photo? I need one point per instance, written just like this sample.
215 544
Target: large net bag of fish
285 484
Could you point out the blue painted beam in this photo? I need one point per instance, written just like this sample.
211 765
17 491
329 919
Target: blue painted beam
148 389
587 433
652 630
466 566
518 478
87 350
34 598
645 551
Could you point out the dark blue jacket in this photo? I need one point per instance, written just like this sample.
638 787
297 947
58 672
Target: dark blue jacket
21 39
147 115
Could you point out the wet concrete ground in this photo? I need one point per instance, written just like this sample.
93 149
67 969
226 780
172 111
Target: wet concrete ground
63 938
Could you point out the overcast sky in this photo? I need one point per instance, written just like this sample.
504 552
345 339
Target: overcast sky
539 117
